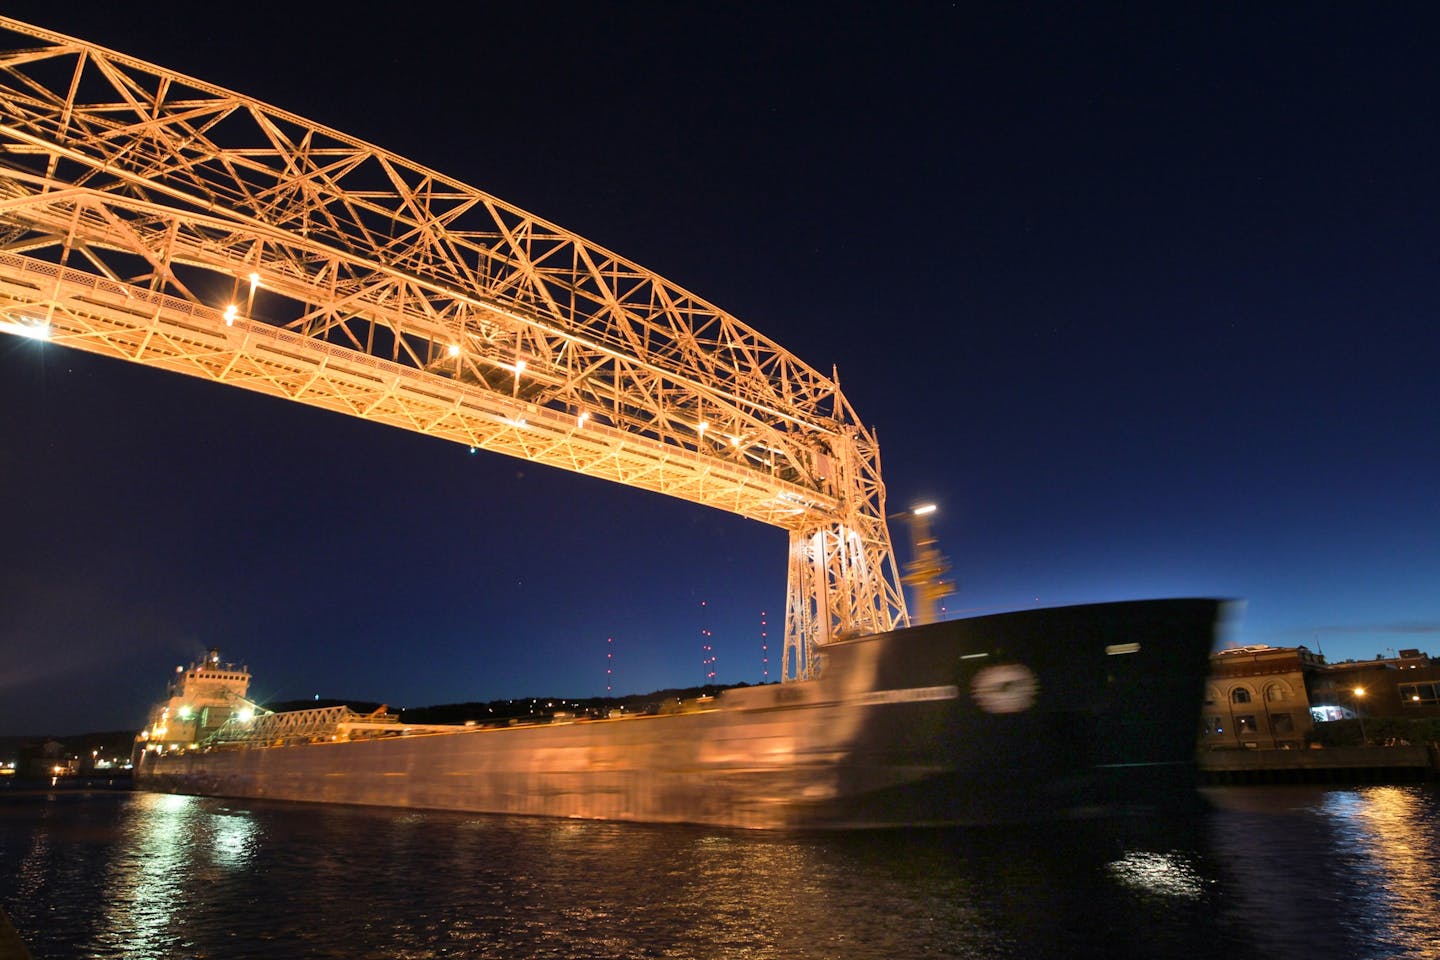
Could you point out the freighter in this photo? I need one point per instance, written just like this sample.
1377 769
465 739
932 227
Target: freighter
1043 713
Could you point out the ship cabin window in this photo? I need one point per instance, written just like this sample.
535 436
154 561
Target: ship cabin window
1245 725
1239 695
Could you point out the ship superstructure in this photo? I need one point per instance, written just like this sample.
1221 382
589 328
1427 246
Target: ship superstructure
199 700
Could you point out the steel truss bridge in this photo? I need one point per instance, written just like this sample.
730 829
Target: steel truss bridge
153 217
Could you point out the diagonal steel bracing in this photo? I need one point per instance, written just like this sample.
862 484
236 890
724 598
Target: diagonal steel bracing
158 219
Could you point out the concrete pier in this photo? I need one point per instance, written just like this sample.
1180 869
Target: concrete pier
1401 764
11 947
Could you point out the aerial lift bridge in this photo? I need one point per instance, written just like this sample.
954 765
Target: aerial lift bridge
155 218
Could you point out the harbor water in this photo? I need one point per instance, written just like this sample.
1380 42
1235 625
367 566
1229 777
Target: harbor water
1303 872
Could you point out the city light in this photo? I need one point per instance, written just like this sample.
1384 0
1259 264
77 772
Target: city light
230 312
923 510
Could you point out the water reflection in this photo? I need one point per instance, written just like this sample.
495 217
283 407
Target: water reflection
148 875
1311 873
169 853
1342 872
1168 874
1386 839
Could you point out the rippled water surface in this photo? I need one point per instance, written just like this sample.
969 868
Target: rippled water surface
1270 872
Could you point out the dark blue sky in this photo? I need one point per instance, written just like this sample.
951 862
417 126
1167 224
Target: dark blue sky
1144 297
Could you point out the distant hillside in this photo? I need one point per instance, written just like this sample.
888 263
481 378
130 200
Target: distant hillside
482 711
118 743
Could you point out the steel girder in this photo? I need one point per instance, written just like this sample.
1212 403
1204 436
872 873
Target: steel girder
153 217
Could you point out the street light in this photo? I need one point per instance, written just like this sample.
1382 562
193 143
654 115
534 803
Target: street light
1360 693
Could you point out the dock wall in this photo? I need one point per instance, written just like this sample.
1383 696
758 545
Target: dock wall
1400 764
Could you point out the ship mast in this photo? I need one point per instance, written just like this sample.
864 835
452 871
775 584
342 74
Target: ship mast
924 572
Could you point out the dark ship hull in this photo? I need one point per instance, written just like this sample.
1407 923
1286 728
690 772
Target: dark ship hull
1035 714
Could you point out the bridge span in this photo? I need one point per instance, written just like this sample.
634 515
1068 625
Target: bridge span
152 217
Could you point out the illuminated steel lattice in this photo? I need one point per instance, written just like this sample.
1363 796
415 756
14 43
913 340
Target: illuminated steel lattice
301 726
159 219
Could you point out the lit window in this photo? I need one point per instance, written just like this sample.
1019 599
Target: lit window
1419 694
1239 695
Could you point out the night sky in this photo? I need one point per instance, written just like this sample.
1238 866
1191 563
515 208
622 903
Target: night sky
1145 300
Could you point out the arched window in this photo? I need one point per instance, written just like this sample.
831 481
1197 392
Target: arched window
1277 692
1239 695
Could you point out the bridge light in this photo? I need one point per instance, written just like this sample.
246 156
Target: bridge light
245 715
27 327
921 511
254 281
454 350
702 426
580 420
519 367
230 312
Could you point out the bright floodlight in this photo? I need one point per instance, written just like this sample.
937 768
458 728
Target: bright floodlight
26 327
921 511
454 350
245 715
1359 691
230 312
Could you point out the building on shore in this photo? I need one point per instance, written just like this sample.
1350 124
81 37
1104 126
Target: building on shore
1257 698
1271 698
1404 685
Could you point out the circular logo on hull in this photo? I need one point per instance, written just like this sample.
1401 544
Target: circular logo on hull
1005 688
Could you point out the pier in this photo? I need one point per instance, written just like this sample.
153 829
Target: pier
1397 764
11 946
